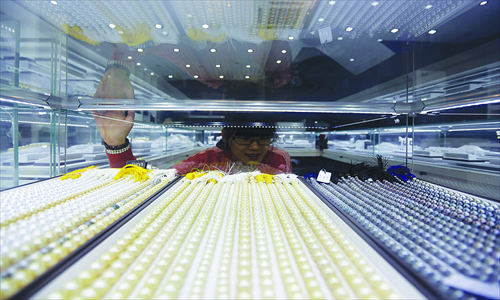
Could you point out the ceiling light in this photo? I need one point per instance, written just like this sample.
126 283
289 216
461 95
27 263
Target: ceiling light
159 26
278 61
120 32
394 30
248 66
176 50
352 59
139 50
53 2
138 63
222 76
152 73
145 69
164 33
170 76
432 31
283 51
195 76
112 25
483 3
250 50
290 38
379 40
247 77
349 29
130 57
205 26
213 50
188 66
217 66
428 6
331 2
321 19
340 38
375 3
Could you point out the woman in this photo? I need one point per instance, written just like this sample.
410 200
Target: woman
240 149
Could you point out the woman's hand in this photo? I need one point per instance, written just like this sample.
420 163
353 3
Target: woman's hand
114 126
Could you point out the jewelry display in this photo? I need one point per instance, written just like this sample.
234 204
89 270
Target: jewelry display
52 230
441 235
276 243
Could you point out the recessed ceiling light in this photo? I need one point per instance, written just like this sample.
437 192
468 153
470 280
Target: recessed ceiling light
195 76
159 26
429 6
112 25
247 77
321 19
379 40
290 38
170 76
222 76
145 69
53 2
250 50
176 50
349 29
278 61
164 33
331 2
152 73
352 59
340 38
188 66
394 30
483 3
213 50
283 51
130 57
139 50
248 66
217 66
205 26
120 32
375 3
432 31
138 64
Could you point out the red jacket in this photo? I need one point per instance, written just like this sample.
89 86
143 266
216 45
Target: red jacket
275 161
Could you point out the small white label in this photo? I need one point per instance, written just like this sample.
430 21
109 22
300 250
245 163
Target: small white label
324 176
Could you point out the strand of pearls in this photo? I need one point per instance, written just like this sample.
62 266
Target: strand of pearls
266 277
293 291
202 271
298 251
223 289
244 275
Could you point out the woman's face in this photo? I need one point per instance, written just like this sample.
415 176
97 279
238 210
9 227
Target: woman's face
247 153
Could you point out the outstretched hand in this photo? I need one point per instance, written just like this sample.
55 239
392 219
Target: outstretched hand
114 126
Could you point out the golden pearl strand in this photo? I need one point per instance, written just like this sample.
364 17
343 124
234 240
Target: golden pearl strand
202 270
383 288
223 287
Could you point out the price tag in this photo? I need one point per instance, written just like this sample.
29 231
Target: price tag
324 176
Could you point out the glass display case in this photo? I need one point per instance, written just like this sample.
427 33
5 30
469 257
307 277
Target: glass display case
338 80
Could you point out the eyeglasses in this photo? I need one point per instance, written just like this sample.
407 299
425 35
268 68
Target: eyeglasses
248 141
